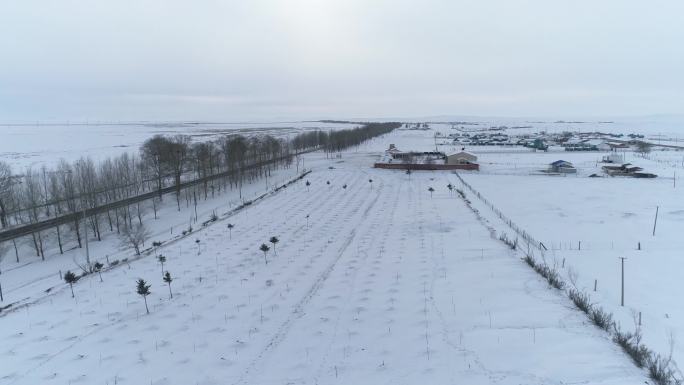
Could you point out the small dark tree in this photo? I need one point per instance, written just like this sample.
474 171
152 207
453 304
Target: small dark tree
431 190
98 268
274 240
156 244
307 185
168 280
162 259
230 230
264 248
643 147
70 278
143 289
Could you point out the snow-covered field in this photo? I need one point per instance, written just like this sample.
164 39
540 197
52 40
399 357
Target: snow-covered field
384 284
36 145
592 222
378 282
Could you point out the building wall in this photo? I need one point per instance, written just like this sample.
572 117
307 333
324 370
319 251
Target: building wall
404 166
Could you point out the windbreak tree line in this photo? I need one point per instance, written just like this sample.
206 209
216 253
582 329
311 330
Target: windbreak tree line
163 162
336 141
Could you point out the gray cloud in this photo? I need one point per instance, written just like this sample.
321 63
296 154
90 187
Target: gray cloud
236 60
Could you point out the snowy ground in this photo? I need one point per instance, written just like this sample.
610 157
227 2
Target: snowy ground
382 284
36 145
591 223
26 280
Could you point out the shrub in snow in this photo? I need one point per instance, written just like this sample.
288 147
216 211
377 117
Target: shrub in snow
530 261
581 300
98 268
461 193
660 370
143 289
512 244
554 278
631 344
601 318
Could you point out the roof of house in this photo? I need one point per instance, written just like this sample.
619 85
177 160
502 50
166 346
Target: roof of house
463 155
560 163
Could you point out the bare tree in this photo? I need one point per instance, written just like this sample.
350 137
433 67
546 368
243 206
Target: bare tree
5 190
33 197
4 248
135 236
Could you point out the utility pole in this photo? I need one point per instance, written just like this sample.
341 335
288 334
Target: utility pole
622 292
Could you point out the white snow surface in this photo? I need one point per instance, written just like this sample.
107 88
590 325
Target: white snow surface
382 284
34 145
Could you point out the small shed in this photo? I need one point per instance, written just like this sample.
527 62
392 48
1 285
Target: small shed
563 167
462 157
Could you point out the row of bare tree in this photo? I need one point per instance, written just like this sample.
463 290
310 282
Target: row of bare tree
163 162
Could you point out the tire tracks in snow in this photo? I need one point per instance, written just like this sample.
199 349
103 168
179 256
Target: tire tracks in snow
299 307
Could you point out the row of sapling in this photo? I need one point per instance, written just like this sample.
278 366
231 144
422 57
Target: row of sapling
142 288
72 188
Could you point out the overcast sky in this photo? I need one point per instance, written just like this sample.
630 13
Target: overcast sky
260 60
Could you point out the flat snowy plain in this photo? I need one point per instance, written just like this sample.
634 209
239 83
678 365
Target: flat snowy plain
382 283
